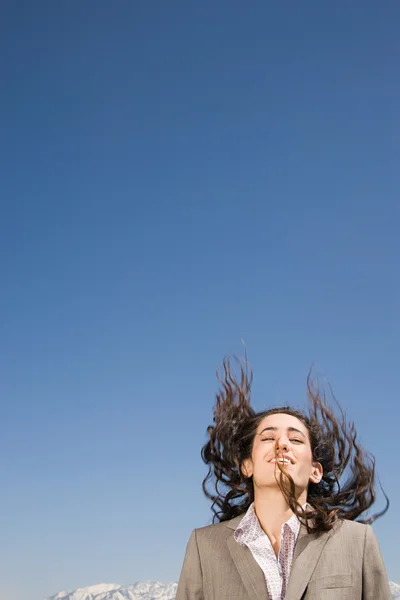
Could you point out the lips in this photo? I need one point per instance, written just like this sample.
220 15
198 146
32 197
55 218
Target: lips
283 460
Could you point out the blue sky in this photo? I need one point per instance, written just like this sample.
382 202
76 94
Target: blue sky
177 176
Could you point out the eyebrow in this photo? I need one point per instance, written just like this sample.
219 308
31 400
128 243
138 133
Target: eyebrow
276 429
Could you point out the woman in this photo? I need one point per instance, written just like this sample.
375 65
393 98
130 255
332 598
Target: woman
286 524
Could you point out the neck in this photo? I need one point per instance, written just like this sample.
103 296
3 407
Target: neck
273 511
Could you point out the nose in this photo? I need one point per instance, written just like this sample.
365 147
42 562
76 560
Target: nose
282 444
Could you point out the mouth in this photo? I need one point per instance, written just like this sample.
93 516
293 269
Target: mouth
283 460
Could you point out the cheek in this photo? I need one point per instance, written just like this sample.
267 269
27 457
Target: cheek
306 457
258 458
308 454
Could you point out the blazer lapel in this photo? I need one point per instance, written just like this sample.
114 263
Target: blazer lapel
249 571
307 552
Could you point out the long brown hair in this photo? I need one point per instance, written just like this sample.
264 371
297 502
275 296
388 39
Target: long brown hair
333 443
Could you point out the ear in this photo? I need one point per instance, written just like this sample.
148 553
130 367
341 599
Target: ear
247 467
316 473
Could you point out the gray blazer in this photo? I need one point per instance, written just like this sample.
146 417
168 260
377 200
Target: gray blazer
342 564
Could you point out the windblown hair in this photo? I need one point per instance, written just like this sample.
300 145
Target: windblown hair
333 444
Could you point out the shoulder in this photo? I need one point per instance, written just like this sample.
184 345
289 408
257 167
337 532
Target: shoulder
350 532
217 531
353 527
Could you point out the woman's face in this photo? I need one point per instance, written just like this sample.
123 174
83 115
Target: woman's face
284 438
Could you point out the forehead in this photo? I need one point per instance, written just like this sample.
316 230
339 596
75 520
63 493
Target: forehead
282 422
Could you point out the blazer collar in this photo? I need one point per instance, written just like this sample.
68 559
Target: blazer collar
249 571
307 552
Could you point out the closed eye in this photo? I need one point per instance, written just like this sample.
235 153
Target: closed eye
297 440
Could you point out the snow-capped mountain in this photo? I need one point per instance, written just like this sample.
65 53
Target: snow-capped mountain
143 590
395 589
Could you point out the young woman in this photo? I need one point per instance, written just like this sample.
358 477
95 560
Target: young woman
286 524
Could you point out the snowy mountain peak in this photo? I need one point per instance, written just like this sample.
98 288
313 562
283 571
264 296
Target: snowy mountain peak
395 589
141 590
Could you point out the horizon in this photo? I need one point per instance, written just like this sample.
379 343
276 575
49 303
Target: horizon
176 178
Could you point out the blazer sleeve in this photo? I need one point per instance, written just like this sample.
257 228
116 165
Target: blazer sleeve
190 585
374 579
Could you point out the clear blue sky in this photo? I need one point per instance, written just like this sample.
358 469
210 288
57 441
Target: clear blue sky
176 176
